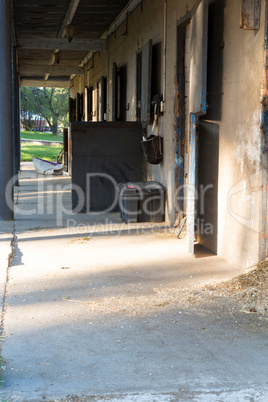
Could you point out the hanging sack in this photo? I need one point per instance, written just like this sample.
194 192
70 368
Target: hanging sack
153 145
153 149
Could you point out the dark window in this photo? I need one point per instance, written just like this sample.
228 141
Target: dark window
90 103
102 99
114 92
79 107
156 74
122 94
72 109
138 88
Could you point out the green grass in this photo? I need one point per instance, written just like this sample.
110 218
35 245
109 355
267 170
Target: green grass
49 153
36 135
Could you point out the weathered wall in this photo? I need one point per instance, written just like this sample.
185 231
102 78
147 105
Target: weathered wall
239 125
77 85
145 23
94 70
239 162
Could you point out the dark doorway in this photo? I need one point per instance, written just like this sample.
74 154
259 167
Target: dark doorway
208 144
215 60
122 104
207 178
180 124
104 98
101 99
138 86
72 109
79 107
114 92
156 75
90 103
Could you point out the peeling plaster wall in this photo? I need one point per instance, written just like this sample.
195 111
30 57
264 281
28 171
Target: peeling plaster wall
77 85
239 129
239 162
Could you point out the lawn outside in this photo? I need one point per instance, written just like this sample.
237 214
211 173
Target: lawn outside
48 152
36 135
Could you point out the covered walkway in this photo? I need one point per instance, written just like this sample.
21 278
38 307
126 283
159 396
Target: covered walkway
114 310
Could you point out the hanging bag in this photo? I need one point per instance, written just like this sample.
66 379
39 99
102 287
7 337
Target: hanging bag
153 149
153 145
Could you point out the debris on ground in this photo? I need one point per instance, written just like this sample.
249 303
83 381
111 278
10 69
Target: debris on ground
249 293
250 289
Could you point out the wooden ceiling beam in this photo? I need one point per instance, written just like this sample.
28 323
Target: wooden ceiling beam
61 34
25 82
61 44
40 70
68 17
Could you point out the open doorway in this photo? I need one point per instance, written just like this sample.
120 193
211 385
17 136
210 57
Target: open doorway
197 131
44 115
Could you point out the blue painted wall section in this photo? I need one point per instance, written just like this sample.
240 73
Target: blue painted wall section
203 106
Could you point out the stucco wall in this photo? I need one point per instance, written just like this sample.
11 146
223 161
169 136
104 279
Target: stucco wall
239 136
239 164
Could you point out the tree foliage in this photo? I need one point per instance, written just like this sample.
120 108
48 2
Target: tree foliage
49 103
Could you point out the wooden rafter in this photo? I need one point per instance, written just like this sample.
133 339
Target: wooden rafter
62 44
45 69
69 16
31 82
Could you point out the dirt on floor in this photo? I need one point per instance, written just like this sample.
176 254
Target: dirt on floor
247 293
250 290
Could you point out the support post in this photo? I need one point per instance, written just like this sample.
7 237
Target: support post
15 116
6 137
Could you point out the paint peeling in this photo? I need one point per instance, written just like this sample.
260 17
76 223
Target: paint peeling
247 147
203 106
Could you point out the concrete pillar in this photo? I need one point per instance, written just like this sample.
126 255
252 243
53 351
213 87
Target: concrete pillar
15 116
6 137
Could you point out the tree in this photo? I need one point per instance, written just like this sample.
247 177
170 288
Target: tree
49 103
26 109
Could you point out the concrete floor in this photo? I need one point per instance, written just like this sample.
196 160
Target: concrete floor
82 316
